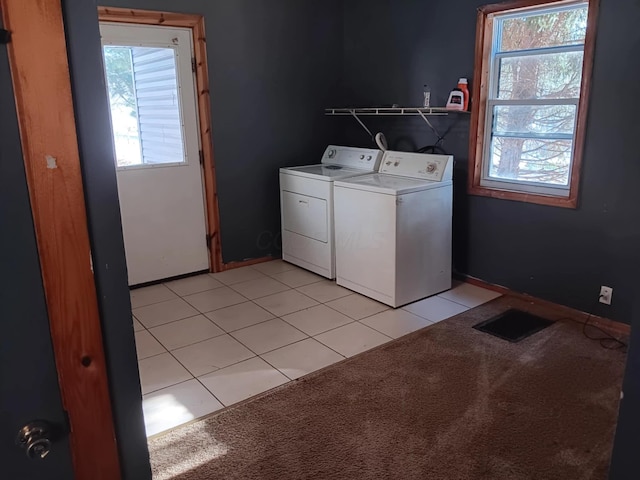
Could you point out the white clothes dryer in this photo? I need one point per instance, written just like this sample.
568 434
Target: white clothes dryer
306 200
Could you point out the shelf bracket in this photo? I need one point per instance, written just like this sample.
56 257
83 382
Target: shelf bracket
433 129
353 112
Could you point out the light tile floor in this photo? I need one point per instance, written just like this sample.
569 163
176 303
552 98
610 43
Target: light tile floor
210 341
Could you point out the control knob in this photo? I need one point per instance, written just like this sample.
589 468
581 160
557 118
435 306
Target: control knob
431 168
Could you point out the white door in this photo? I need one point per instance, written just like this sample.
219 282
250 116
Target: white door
151 88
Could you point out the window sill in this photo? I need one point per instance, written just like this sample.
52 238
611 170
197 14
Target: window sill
562 202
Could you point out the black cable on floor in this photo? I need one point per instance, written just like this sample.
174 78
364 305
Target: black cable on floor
606 341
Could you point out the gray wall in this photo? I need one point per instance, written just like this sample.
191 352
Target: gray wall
274 66
394 47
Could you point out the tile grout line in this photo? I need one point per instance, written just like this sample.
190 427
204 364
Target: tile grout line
248 326
211 393
172 385
190 278
194 376
296 328
357 319
202 341
258 356
350 292
224 332
177 295
179 320
464 305
216 368
209 311
251 299
386 335
376 330
155 355
321 333
330 348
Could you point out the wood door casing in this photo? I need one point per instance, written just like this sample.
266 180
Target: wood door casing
42 86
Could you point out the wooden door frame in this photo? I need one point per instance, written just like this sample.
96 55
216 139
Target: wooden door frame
196 24
42 88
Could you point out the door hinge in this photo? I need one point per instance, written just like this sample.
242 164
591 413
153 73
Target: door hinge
193 64
209 239
201 153
5 36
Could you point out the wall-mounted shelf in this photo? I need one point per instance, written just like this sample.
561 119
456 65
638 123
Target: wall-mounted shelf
396 112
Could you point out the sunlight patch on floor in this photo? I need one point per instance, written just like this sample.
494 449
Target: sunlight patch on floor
190 456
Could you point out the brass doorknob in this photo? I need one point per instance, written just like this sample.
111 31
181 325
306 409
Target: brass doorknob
35 439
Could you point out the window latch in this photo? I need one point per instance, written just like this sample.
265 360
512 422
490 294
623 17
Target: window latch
5 36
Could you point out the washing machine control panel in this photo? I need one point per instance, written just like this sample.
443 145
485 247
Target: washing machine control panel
362 158
437 168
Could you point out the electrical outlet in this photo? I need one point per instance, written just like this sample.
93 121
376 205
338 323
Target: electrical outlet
605 295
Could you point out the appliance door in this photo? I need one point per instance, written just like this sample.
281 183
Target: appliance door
305 215
365 224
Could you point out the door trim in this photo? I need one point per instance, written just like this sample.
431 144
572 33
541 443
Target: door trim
44 102
196 24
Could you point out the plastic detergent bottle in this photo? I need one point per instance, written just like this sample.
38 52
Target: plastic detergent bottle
463 85
456 100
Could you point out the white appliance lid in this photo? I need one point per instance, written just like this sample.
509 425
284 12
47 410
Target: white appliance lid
389 184
323 172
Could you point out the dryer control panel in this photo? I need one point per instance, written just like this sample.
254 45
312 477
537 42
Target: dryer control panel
362 158
437 168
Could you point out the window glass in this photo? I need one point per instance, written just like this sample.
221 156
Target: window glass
534 120
531 160
553 75
541 30
145 107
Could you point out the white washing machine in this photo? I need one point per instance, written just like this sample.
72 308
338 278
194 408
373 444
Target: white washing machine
393 229
306 200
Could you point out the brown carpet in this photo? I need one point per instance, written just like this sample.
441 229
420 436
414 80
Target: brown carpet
447 402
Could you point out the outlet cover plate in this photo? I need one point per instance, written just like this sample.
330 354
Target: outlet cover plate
605 295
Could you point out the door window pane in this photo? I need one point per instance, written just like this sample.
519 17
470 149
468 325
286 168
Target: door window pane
552 29
531 160
124 111
145 105
533 120
556 75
